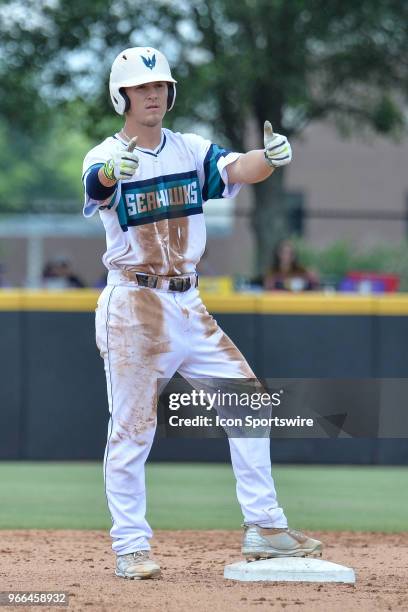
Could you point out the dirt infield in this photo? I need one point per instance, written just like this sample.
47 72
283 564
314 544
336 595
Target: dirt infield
81 563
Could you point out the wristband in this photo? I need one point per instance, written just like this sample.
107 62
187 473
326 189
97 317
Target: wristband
94 187
109 170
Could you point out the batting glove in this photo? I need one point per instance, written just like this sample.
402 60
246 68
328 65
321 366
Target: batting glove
123 164
278 151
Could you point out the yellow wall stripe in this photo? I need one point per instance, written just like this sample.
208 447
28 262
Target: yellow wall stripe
75 300
10 299
232 303
395 304
81 300
84 300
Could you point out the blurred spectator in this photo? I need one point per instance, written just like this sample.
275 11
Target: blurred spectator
58 274
369 282
286 273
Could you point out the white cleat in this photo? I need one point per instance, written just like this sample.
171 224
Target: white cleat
265 543
137 566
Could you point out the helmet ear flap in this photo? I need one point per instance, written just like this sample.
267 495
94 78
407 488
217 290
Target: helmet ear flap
171 96
126 99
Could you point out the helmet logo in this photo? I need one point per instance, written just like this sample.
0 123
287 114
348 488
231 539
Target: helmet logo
149 62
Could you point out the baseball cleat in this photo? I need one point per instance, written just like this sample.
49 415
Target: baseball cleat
265 543
136 566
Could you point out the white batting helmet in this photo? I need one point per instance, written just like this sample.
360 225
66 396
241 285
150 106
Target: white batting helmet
137 66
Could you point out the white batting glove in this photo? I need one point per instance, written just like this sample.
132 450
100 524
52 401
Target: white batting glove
123 164
278 151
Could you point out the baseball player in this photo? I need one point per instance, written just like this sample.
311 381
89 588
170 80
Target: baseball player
149 186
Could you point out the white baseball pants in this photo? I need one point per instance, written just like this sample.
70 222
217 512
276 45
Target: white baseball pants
144 334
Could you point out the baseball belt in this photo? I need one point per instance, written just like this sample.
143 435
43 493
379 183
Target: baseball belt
152 281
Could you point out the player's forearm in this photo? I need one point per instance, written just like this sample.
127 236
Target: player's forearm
96 188
249 168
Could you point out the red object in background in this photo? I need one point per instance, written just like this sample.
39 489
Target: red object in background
391 281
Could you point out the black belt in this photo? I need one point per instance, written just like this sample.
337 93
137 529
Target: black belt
174 283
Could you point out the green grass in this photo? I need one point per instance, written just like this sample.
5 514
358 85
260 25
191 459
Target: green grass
202 496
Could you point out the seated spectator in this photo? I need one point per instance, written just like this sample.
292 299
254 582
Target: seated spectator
286 273
58 274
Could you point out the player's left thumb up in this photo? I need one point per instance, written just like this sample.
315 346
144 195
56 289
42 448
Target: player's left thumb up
278 151
269 136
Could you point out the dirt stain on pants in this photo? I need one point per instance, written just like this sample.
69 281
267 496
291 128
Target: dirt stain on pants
136 340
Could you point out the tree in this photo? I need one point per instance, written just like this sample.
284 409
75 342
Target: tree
237 62
295 61
44 175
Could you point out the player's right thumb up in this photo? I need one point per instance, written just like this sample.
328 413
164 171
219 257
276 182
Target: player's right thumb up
132 144
123 164
129 160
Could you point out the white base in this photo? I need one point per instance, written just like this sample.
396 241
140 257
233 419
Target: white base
290 569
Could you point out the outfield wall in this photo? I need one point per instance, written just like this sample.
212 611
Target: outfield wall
52 393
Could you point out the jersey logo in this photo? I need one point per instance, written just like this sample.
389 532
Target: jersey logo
149 62
164 197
